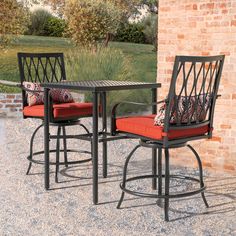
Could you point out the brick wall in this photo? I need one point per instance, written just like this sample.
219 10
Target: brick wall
10 105
203 27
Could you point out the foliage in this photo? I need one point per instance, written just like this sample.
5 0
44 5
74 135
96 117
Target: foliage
150 29
38 21
142 32
13 20
128 7
55 27
57 5
43 23
132 33
151 4
105 64
90 20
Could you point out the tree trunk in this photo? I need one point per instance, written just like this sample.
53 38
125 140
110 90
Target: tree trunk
109 37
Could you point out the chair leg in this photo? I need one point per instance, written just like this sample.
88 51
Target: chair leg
200 173
57 153
91 143
159 171
65 146
167 184
31 147
125 174
154 168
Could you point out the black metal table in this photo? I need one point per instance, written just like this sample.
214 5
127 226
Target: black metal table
97 88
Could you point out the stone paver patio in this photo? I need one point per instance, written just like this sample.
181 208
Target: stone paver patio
27 209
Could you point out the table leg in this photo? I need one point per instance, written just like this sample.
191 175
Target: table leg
154 151
104 129
154 99
46 138
154 168
95 147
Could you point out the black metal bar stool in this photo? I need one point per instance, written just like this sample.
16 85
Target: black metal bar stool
185 115
37 68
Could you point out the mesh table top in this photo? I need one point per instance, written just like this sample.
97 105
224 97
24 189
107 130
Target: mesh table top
101 85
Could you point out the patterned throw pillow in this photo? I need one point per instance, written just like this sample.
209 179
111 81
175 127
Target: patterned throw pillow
34 98
37 98
159 118
61 96
185 111
203 107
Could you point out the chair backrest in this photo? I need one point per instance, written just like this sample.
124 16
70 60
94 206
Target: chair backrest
193 92
40 68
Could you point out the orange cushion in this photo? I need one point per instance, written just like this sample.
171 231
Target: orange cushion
144 126
62 110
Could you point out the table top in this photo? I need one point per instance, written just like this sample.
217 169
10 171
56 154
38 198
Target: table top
101 85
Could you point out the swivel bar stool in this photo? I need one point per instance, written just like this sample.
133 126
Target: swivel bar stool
37 68
185 115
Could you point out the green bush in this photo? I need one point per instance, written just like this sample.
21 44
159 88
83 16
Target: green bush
38 20
105 64
54 27
149 25
132 33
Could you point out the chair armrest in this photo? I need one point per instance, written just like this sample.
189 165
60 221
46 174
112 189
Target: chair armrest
114 109
29 90
9 83
15 84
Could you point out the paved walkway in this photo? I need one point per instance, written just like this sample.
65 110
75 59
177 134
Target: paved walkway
27 209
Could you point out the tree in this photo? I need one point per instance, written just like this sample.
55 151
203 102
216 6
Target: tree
90 20
13 20
151 4
128 7
119 11
90 17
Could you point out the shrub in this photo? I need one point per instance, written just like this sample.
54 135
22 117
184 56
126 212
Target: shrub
86 64
38 21
132 33
105 64
150 29
54 27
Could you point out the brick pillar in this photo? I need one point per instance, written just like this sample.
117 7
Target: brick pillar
203 27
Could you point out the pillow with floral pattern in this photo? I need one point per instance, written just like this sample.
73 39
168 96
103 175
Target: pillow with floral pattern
37 97
185 111
61 96
33 98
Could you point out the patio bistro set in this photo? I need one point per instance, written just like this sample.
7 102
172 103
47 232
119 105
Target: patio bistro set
186 114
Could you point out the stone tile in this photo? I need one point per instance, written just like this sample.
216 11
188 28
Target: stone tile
27 209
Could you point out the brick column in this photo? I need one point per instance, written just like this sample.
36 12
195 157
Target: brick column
203 27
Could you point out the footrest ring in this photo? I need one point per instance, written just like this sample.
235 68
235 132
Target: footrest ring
153 195
60 163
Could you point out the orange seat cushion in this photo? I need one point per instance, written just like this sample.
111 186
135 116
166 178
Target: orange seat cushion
144 126
61 111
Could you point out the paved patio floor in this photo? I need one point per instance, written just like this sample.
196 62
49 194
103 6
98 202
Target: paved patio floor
27 209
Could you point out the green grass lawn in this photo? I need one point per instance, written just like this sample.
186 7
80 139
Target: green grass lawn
141 56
